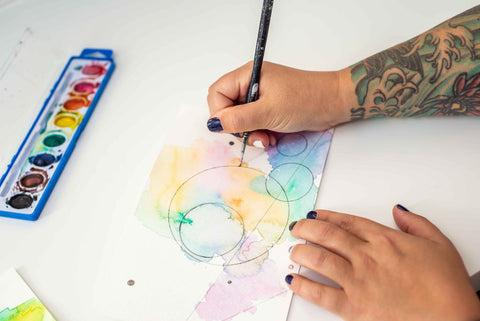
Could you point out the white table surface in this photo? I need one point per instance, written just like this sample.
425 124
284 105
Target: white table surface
167 54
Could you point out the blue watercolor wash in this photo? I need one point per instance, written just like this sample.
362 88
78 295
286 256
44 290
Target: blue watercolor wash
318 144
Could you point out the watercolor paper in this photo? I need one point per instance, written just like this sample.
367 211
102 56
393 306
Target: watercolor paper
210 237
17 301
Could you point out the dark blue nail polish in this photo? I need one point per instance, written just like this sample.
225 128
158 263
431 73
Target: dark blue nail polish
237 135
289 279
312 215
290 227
402 208
214 125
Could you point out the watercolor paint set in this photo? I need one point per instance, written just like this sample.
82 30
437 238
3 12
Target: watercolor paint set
37 164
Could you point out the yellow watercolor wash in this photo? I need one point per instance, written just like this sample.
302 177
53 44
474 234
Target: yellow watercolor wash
30 310
173 177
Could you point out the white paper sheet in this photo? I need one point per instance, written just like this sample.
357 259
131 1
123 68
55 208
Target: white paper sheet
18 302
209 239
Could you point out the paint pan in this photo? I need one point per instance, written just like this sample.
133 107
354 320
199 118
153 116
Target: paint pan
67 119
54 139
33 182
21 201
76 103
95 69
37 164
43 160
84 87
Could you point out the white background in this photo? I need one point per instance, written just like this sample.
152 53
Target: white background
167 54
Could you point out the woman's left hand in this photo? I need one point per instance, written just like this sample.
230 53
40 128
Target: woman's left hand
384 274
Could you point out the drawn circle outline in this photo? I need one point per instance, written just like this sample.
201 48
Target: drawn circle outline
169 218
279 144
286 196
193 253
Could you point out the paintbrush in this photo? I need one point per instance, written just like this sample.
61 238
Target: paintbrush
253 89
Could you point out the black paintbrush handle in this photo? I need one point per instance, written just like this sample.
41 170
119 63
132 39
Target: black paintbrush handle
252 94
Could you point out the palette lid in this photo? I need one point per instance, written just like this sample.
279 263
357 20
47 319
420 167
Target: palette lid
26 77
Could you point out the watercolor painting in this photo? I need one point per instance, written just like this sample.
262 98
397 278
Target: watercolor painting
233 217
17 301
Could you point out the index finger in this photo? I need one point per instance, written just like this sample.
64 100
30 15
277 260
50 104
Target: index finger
359 226
229 89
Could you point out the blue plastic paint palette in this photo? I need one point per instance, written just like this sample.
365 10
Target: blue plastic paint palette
36 166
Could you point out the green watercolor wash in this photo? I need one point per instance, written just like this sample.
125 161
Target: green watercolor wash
181 219
258 185
30 310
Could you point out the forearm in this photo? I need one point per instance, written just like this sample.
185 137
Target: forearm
436 73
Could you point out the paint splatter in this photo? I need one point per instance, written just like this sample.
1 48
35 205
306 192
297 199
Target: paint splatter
30 310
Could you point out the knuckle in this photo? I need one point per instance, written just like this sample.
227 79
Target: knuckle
387 241
346 223
322 258
211 89
326 232
317 295
367 261
236 124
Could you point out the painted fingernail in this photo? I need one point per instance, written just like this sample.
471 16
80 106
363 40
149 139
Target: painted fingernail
214 124
402 208
290 227
290 249
312 215
258 143
237 135
289 278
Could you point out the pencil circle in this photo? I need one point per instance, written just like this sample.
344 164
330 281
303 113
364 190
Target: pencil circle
292 145
295 179
188 213
192 234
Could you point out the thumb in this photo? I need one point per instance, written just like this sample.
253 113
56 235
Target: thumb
415 224
240 118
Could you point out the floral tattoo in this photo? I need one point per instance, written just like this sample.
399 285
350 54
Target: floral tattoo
436 73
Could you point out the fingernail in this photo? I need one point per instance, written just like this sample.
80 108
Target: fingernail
237 135
402 208
290 227
214 124
312 215
258 143
289 278
290 249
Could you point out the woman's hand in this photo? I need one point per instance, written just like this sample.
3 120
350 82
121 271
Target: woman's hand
290 100
384 274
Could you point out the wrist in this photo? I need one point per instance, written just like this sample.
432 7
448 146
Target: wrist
346 98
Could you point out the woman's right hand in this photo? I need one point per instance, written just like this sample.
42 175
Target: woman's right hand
290 100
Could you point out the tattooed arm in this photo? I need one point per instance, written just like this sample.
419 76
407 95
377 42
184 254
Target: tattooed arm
436 73
384 274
